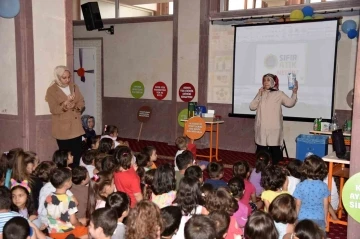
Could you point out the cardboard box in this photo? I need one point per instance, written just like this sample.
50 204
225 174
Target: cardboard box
209 119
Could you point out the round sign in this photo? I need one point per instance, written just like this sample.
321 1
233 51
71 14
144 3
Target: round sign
186 92
351 196
183 115
160 90
144 113
195 127
137 89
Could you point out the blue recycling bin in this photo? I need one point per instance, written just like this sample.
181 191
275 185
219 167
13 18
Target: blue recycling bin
311 144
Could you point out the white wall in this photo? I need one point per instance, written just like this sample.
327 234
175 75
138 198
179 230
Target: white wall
8 73
220 80
137 52
49 51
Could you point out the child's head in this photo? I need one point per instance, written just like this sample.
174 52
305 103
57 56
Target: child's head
148 180
93 142
89 157
120 202
314 168
142 160
123 158
99 157
171 218
101 186
241 169
103 223
207 189
216 170
62 158
273 178
44 169
283 209
307 229
80 175
7 159
184 160
260 225
23 166
5 198
200 227
222 222
221 200
36 161
237 187
164 179
108 163
294 167
181 142
21 199
2 176
17 228
196 172
111 130
105 145
61 178
151 151
144 221
188 196
263 159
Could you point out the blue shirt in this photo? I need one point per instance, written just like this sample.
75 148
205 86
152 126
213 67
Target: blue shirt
5 217
311 193
7 178
216 183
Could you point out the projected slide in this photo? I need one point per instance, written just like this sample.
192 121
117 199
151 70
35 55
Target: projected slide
306 49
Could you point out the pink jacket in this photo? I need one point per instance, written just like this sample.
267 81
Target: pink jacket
269 118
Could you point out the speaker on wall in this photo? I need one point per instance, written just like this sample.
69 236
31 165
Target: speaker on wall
92 16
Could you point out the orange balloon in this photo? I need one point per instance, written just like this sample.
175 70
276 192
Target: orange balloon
195 127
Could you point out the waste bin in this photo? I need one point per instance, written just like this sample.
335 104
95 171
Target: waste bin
311 144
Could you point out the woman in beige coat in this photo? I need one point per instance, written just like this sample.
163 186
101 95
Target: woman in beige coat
66 104
269 118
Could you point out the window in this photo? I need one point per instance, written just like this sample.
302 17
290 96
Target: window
249 4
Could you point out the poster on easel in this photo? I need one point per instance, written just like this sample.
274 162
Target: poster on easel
143 116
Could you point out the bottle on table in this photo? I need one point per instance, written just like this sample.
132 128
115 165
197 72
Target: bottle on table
334 123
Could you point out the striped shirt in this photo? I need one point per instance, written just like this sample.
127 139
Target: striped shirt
5 217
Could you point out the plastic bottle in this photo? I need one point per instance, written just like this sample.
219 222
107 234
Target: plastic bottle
315 124
334 122
319 124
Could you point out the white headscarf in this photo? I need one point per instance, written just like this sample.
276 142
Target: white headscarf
58 72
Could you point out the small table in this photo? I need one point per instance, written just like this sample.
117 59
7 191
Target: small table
347 141
341 171
210 128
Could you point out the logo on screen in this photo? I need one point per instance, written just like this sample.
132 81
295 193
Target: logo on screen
270 61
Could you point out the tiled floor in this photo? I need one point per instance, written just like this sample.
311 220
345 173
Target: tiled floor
167 152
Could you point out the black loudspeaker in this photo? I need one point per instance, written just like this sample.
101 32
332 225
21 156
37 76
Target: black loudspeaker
338 143
92 16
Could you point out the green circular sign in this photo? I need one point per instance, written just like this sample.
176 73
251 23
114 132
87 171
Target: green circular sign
137 89
183 115
351 196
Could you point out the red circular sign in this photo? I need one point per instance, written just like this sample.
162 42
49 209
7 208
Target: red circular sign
186 92
160 90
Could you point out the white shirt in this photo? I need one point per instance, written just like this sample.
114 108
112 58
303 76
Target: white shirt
292 184
334 193
178 153
66 90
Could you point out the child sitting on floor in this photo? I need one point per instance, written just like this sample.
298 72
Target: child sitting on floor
61 208
171 218
151 152
181 144
216 172
263 159
103 223
80 179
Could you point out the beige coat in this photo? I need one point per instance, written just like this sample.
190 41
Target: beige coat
65 124
269 118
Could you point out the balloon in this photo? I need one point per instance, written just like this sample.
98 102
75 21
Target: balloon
308 18
348 25
9 8
352 33
308 11
318 17
338 36
296 15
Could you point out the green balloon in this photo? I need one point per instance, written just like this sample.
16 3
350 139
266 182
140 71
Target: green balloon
308 18
351 196
183 115
137 89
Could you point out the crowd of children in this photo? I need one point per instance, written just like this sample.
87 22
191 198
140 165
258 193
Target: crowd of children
116 193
